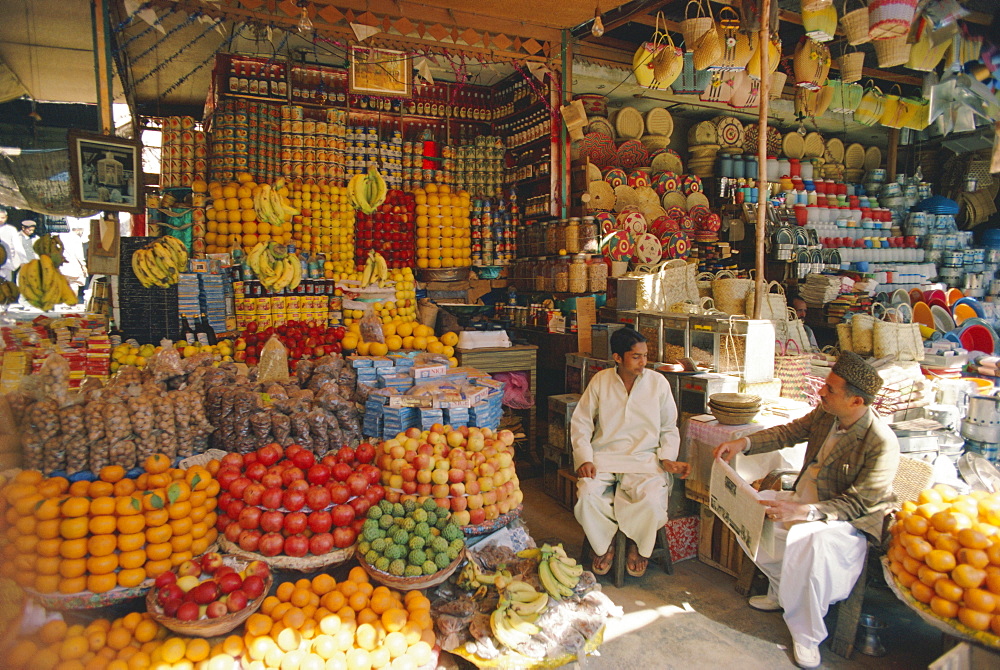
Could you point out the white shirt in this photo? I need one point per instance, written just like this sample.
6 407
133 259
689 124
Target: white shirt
624 432
10 237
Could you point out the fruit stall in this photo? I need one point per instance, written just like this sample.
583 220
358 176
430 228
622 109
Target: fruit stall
373 256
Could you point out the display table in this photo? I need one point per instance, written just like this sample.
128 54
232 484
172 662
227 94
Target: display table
516 358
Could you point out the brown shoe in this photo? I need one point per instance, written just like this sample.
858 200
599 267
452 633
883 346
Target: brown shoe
601 565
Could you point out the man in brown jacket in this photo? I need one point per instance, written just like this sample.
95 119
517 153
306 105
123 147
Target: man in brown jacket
841 498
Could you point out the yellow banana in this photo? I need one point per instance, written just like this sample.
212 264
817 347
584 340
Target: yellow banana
552 585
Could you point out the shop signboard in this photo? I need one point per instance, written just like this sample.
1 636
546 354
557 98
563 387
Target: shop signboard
381 72
105 172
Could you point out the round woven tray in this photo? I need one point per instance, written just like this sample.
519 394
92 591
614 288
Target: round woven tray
628 123
659 122
411 583
873 158
793 145
854 157
87 600
496 524
735 400
209 627
443 274
303 564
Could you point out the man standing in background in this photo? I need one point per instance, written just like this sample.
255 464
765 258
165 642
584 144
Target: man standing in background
75 265
8 235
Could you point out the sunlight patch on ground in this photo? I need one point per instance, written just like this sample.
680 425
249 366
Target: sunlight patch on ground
633 621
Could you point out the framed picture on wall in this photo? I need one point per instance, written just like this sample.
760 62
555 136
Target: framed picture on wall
381 72
105 172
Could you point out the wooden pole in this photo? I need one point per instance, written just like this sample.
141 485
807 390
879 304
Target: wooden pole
892 155
762 188
102 64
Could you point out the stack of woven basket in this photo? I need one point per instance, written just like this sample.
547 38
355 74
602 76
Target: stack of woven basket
734 409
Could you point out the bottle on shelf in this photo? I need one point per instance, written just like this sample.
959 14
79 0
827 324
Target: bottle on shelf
187 334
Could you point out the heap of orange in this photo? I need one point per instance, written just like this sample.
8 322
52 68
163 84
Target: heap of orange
115 531
945 549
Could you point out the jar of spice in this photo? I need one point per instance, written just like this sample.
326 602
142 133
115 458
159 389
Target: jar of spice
561 275
573 236
597 275
589 240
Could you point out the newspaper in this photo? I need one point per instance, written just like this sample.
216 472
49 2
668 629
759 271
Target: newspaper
734 501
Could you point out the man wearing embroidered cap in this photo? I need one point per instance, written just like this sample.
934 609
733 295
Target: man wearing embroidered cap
840 500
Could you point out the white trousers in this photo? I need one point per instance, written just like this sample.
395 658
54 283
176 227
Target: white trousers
815 564
634 502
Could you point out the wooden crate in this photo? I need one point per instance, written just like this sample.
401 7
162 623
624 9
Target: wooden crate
554 460
567 489
717 545
561 409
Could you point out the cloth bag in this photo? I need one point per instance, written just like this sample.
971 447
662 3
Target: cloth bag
672 282
892 337
775 307
730 292
792 367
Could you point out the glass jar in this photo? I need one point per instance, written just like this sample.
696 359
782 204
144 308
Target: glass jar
539 276
548 276
560 275
551 229
589 236
578 274
560 236
573 236
597 275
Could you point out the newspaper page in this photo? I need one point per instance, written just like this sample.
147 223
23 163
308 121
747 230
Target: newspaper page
738 505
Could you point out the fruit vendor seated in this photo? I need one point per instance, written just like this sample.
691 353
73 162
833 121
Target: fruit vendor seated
843 494
625 445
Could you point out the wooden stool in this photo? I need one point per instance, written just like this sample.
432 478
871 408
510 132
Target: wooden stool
660 554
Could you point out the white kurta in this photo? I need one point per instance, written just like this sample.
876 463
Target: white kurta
625 436
814 564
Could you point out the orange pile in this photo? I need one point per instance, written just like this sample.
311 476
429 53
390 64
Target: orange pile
231 221
95 536
352 625
945 549
444 229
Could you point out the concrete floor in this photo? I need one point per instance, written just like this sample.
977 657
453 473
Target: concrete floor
695 619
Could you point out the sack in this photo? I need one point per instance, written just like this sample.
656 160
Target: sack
672 282
708 48
792 368
719 88
773 56
844 336
693 27
775 308
890 18
862 333
811 63
746 91
736 45
902 340
657 63
730 292
870 108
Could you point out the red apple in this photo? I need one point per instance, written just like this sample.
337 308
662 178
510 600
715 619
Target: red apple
259 568
231 581
206 592
236 601
188 612
189 568
169 592
477 516
165 579
210 562
170 607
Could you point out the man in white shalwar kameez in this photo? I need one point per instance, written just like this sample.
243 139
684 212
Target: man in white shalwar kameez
840 501
625 445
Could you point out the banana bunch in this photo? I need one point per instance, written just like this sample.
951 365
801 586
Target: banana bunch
376 271
43 286
160 262
8 292
50 246
274 266
271 207
472 578
513 621
367 191
558 572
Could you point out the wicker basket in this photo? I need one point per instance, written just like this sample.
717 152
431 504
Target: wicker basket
209 627
893 51
280 562
855 24
693 27
87 600
888 19
443 274
778 79
411 583
851 66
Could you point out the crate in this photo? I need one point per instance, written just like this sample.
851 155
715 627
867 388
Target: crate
566 488
147 314
554 460
600 339
717 545
561 408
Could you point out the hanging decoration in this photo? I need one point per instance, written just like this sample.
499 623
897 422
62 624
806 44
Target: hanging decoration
180 26
148 29
211 59
363 31
424 71
144 11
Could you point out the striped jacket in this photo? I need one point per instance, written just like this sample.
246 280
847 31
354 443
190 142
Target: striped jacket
855 484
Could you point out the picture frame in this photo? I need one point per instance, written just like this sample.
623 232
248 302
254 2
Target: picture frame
377 71
105 172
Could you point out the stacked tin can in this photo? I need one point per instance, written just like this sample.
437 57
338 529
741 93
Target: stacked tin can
183 153
427 161
364 148
478 167
246 137
309 147
493 240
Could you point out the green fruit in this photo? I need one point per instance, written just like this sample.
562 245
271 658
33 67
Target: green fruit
371 557
439 544
419 515
441 522
400 536
416 542
397 510
379 545
442 560
422 530
396 551
451 532
382 564
417 557
456 546
429 567
364 546
374 512
406 524
397 567
409 506
385 506
412 571
430 505
386 522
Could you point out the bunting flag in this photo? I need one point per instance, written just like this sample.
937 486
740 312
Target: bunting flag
424 70
363 31
144 12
